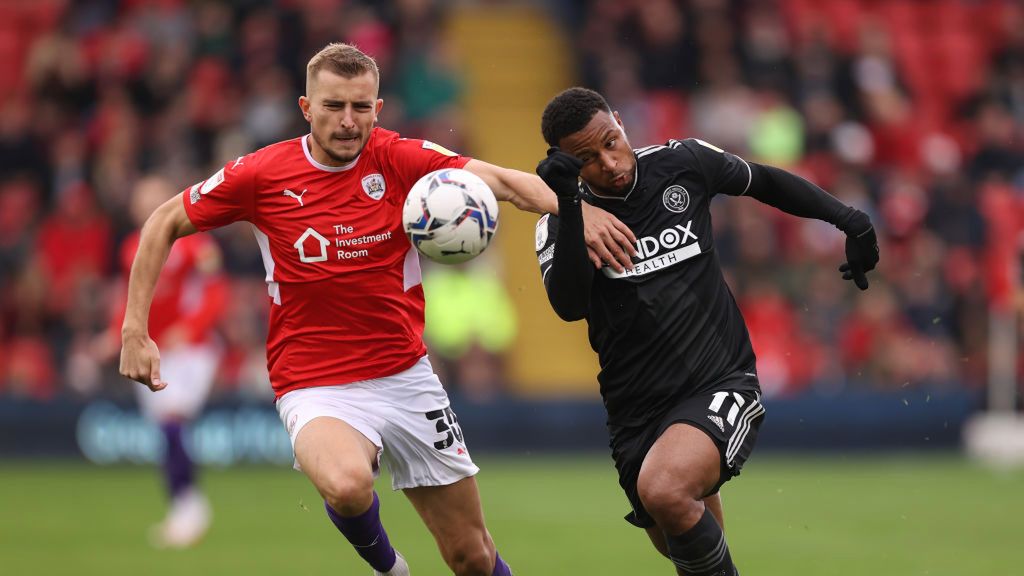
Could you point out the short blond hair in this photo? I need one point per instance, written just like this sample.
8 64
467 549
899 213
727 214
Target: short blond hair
342 59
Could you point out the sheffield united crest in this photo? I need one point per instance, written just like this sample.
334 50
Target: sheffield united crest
676 198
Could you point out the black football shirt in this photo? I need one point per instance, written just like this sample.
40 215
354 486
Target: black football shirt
669 328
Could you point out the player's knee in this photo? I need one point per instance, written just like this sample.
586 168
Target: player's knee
471 557
670 501
657 494
348 493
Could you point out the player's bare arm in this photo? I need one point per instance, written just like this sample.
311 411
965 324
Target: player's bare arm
608 240
604 235
140 358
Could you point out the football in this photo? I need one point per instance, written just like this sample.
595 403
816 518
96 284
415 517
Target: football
450 215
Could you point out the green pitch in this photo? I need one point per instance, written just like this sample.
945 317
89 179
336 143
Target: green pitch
550 516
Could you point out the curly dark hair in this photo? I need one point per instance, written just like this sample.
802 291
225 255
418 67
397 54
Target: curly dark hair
569 112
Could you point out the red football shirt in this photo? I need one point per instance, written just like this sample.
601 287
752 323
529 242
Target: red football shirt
187 295
343 277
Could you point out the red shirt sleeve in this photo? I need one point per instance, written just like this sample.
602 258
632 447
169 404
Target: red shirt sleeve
227 196
412 159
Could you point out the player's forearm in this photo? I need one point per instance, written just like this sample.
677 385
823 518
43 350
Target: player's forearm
529 193
569 279
525 191
158 234
795 195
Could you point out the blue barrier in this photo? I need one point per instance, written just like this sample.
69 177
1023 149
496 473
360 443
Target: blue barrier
910 419
233 431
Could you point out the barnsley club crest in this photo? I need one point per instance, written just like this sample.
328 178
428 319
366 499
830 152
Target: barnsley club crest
676 198
373 185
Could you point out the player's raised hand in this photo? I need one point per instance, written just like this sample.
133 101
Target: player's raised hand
561 172
608 239
861 255
140 361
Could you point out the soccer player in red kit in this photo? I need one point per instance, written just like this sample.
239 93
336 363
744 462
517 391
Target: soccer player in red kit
345 349
188 302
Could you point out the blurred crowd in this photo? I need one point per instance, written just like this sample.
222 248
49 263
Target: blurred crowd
910 110
97 94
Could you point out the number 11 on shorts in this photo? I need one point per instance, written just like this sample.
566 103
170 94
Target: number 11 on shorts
719 400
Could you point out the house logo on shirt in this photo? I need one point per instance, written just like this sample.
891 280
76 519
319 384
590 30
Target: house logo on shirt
676 198
300 245
373 185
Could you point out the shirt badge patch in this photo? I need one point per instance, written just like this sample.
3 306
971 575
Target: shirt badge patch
373 185
542 231
676 198
203 188
212 182
428 145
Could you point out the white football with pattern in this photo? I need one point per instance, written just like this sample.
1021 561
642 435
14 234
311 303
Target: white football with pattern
450 215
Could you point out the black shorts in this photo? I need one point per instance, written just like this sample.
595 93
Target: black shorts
730 417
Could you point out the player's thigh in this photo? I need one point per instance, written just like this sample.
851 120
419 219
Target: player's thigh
338 459
423 442
454 516
684 458
703 438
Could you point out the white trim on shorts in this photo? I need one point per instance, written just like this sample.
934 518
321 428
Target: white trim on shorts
407 416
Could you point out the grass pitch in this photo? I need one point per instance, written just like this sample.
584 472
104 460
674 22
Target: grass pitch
856 516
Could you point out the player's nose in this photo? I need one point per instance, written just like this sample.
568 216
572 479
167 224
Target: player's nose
608 163
347 120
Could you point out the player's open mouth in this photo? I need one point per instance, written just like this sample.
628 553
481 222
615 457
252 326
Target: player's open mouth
347 138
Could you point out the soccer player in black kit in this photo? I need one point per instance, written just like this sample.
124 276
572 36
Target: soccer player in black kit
678 374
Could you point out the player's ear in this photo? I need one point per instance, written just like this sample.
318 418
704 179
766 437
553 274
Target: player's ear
380 105
304 106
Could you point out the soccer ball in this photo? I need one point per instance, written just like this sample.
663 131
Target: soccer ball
450 215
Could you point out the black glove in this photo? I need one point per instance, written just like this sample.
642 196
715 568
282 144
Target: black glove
861 250
561 172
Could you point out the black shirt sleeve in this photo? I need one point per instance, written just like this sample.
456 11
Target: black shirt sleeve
794 195
565 268
724 173
729 174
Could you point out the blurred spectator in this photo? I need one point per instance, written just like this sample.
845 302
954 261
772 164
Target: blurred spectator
75 247
99 93
905 110
900 108
470 322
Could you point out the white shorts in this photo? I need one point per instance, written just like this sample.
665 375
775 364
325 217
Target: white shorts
189 372
407 416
